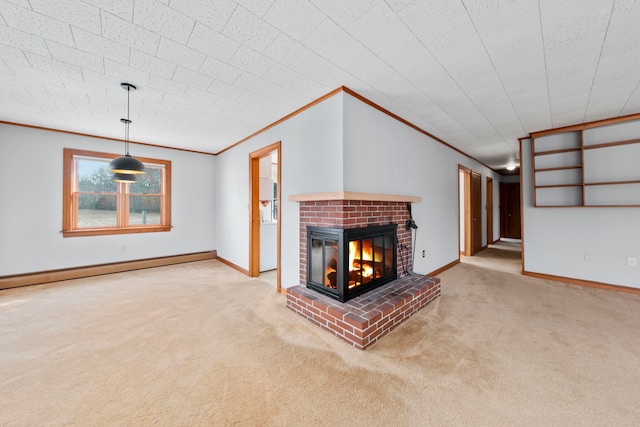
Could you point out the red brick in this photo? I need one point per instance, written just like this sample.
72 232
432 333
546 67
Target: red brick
312 320
306 299
375 334
344 326
338 331
354 339
355 321
396 302
335 312
385 308
368 331
292 305
375 317
313 310
319 319
382 322
326 316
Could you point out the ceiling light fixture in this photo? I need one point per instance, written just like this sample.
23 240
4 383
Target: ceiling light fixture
125 178
126 165
511 167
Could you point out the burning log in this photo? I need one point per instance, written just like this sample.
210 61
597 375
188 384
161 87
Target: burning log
333 280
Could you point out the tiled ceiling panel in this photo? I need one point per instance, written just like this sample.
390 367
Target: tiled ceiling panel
249 29
211 42
80 13
161 19
126 33
212 13
477 74
294 18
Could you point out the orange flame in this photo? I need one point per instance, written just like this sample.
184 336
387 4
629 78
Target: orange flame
354 257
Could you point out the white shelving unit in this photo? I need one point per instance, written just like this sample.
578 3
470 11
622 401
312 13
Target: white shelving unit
594 166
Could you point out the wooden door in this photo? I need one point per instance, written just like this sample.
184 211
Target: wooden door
476 212
489 210
464 210
510 224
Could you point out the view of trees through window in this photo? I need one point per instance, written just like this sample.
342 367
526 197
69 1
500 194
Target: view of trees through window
98 196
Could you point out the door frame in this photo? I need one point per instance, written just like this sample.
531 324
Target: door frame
470 227
466 215
254 209
476 206
489 200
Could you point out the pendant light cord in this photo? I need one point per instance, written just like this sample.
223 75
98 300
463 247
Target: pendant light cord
126 124
126 166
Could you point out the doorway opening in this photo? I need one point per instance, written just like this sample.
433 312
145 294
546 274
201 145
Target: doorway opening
264 214
503 254
510 215
469 211
489 208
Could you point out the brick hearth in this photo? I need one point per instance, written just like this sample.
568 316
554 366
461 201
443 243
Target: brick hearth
363 320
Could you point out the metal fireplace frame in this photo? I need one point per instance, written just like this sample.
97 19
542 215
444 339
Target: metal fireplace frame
342 236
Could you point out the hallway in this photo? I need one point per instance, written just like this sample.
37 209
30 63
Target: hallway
505 255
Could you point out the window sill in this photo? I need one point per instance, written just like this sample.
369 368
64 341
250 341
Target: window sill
109 231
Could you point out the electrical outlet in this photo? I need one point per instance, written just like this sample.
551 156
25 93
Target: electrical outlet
123 248
631 261
587 257
424 253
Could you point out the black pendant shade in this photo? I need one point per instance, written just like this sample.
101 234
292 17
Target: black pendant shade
126 167
124 177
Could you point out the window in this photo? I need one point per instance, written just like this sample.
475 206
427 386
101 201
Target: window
95 205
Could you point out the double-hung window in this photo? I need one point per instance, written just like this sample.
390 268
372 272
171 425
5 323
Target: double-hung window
95 205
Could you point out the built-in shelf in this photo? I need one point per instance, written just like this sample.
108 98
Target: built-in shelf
558 168
612 144
563 150
613 182
593 166
558 185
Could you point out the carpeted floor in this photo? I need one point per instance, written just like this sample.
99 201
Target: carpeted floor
503 256
201 344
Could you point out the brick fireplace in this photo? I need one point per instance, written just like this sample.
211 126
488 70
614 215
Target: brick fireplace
363 320
347 214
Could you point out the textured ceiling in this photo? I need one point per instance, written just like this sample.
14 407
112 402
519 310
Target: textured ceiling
476 73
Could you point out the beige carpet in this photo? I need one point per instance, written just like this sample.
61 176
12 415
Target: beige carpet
500 256
201 344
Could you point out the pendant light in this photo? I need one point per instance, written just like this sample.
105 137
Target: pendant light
125 178
126 165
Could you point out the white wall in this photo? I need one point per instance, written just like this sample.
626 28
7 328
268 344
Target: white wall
311 163
557 239
343 144
31 205
383 155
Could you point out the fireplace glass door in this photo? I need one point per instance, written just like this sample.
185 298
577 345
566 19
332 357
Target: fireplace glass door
369 259
344 263
324 262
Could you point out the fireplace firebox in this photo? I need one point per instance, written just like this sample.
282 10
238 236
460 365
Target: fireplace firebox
345 263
